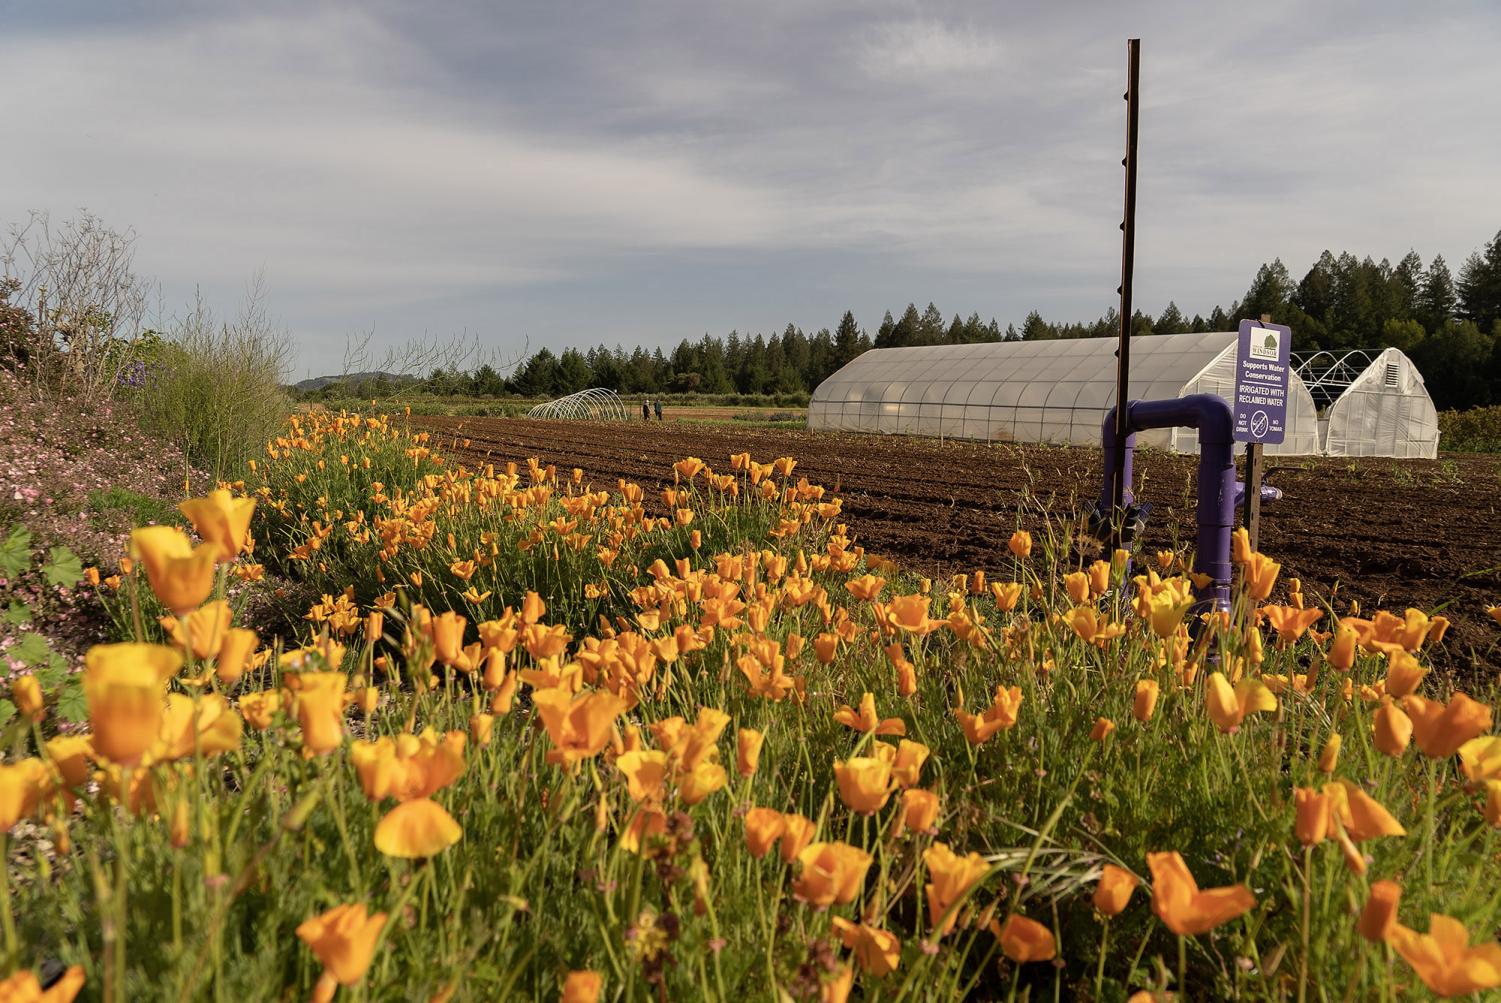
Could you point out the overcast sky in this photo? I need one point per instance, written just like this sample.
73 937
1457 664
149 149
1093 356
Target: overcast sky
576 173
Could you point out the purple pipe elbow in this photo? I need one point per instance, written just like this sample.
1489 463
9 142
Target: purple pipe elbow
1211 415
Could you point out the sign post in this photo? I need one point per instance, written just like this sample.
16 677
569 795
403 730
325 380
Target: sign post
1261 380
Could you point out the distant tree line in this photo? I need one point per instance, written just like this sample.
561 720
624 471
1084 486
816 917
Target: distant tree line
1450 326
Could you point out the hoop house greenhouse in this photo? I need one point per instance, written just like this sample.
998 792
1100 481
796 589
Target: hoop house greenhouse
1037 391
1384 411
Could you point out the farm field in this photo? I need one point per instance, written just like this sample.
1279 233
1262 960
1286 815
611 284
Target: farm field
1381 532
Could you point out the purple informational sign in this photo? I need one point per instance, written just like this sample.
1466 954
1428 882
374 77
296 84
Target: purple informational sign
1261 374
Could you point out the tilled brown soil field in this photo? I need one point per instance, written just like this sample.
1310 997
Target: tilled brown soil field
1388 533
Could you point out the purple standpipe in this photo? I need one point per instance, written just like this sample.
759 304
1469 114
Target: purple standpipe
1218 489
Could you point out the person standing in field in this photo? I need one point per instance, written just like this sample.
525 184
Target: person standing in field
646 410
657 406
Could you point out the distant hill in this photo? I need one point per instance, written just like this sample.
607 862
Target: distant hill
319 382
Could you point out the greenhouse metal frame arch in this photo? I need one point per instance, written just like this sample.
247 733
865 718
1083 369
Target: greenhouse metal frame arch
594 404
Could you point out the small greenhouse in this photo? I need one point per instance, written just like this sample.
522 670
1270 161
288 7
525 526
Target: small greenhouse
1037 391
1383 410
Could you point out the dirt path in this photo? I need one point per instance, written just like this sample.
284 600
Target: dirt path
1388 533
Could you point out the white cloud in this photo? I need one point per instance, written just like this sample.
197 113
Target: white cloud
926 48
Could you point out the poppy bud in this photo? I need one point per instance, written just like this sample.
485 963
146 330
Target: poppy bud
1379 917
26 691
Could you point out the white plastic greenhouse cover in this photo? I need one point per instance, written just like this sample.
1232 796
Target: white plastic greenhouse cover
1386 411
1036 391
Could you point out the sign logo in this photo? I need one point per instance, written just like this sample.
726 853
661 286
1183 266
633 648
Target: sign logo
1265 344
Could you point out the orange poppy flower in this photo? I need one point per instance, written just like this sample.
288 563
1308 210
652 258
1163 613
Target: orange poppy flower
582 987
866 587
1167 605
408 766
23 987
123 685
1144 702
234 654
1077 585
919 810
1492 807
906 672
1261 576
1403 673
201 631
1480 758
1006 595
320 711
1391 729
832 873
1342 652
645 772
825 646
221 519
864 783
447 633
579 727
1020 543
1311 815
866 720
878 951
181 575
1102 728
206 727
23 786
1329 757
951 879
910 613
763 827
699 782
1091 627
343 939
1440 729
1183 907
480 727
1444 959
26 693
1228 706
415 829
1023 940
1099 576
1359 814
260 708
906 765
71 755
748 751
646 824
1001 714
797 832
1114 890
1290 622
1379 917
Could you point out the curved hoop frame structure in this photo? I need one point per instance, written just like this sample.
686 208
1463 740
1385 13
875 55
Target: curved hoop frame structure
594 404
1329 374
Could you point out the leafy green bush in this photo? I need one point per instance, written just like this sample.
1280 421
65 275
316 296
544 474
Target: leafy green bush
1477 430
